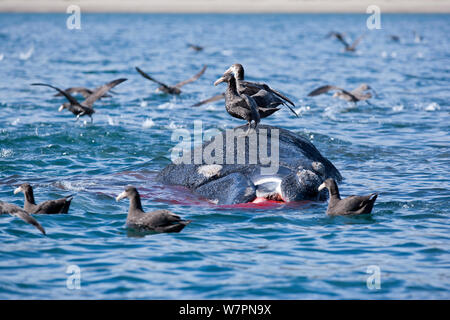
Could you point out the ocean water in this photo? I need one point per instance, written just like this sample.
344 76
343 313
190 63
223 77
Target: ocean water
397 146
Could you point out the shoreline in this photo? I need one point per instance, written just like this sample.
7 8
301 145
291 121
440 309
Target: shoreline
229 6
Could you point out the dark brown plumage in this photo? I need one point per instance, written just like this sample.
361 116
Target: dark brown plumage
175 89
83 91
8 208
359 94
159 220
264 95
347 46
351 205
239 106
195 47
86 107
47 207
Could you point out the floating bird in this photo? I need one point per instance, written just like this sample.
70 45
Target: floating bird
266 95
83 91
349 205
172 89
85 107
348 47
49 207
159 220
195 47
239 106
395 38
16 211
358 94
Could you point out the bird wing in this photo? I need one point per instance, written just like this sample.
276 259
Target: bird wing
98 93
53 206
356 203
146 76
192 79
256 87
21 214
69 97
212 99
252 106
85 92
340 37
357 41
160 218
323 89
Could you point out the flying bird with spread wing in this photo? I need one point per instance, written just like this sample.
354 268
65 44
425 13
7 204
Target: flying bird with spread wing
84 108
175 89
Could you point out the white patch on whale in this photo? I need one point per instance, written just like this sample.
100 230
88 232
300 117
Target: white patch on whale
209 170
276 181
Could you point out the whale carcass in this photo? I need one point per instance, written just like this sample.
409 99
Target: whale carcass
234 167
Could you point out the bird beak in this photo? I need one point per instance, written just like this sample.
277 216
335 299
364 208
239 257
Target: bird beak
121 196
61 108
322 186
220 80
229 70
17 190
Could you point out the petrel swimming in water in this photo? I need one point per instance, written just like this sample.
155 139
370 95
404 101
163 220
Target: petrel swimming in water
176 89
240 106
359 94
47 207
347 46
18 212
264 95
159 220
351 205
86 107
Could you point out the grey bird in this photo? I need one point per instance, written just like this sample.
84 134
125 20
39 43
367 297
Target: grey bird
351 205
240 106
86 107
272 97
359 94
175 89
83 91
47 207
347 46
12 209
159 220
195 47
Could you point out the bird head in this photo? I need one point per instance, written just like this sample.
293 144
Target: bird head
24 187
129 192
65 105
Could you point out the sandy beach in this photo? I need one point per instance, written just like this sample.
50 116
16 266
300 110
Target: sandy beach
230 6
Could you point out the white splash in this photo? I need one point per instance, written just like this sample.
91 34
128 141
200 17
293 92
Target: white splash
15 122
398 108
148 123
26 55
112 121
432 107
143 103
1 56
5 153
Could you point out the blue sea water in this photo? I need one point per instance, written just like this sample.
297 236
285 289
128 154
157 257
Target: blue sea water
397 146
